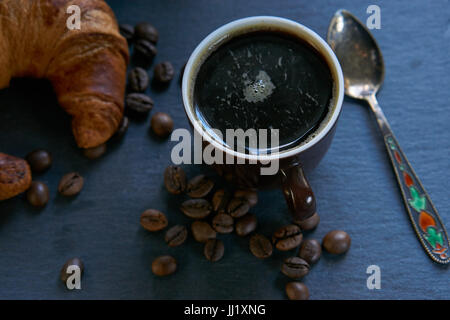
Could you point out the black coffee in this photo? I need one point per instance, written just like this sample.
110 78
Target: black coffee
264 80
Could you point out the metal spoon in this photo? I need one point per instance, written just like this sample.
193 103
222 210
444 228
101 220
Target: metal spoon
363 67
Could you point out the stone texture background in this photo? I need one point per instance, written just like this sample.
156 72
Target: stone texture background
354 185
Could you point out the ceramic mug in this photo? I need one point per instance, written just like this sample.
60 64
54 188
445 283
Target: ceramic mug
293 163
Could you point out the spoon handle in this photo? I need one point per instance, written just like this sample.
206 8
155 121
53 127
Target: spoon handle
423 215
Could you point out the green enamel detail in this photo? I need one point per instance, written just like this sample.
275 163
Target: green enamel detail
391 143
418 202
434 237
402 167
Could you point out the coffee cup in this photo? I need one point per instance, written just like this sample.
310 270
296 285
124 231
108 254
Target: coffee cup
245 170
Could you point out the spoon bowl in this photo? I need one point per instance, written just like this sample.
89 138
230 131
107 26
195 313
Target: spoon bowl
358 53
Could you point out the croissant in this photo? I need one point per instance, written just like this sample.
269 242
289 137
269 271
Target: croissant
15 176
87 67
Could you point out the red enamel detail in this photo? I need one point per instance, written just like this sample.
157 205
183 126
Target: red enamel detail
426 220
441 251
408 180
397 157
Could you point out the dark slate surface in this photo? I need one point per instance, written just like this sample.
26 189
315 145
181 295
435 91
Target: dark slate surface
355 187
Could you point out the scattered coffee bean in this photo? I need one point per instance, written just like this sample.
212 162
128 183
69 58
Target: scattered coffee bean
238 207
246 225
175 180
164 266
138 80
213 250
295 267
196 208
297 291
71 184
64 274
39 160
223 223
164 72
260 246
145 51
95 152
336 242
127 31
123 127
202 231
138 104
176 235
220 200
310 251
147 32
153 220
250 195
309 223
38 194
162 124
199 186
287 238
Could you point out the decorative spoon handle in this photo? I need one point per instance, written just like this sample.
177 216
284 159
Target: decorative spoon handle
423 215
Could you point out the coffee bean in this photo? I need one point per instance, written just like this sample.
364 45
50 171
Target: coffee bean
95 152
153 220
238 207
175 180
250 195
223 223
199 186
310 251
164 72
309 223
287 238
71 184
123 127
202 231
196 208
138 80
295 267
164 266
176 236
127 31
39 160
220 200
147 32
64 274
246 225
38 194
336 242
138 104
145 51
297 291
213 250
162 124
260 246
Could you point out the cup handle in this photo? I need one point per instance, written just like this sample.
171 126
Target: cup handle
298 193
